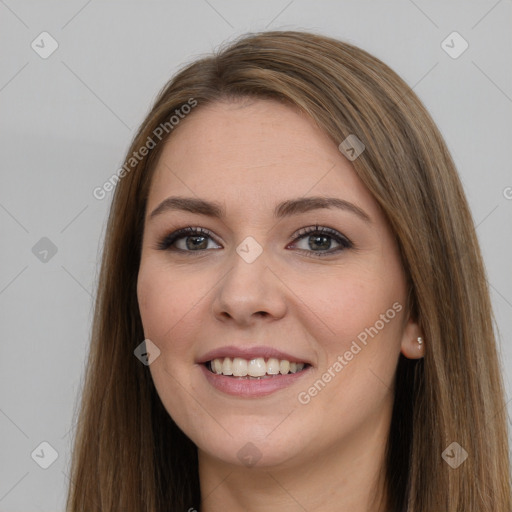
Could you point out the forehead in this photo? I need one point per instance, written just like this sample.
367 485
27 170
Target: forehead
254 153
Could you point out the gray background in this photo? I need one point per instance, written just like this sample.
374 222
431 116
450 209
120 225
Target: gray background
67 120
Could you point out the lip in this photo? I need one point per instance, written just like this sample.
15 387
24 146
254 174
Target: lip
251 388
250 353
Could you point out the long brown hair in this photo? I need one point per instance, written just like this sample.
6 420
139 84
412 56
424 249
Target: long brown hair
129 455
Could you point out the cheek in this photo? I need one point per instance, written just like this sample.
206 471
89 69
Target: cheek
358 355
354 302
166 307
165 300
154 305
361 316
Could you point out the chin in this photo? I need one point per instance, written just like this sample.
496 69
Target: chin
254 454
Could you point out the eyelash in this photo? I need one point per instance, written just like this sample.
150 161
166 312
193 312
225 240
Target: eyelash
166 242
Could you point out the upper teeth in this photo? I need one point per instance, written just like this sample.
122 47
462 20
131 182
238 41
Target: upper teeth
239 367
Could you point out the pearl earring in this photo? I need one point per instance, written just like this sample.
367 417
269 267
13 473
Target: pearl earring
420 342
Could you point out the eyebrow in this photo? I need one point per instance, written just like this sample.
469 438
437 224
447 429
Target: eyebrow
285 209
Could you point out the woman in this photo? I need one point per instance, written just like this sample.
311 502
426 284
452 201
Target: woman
291 259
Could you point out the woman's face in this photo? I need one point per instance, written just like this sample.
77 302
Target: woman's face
276 279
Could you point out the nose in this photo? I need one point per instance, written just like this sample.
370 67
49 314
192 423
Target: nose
249 290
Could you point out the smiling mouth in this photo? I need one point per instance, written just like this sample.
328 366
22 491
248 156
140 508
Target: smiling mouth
258 368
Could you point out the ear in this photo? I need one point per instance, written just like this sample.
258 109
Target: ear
410 347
